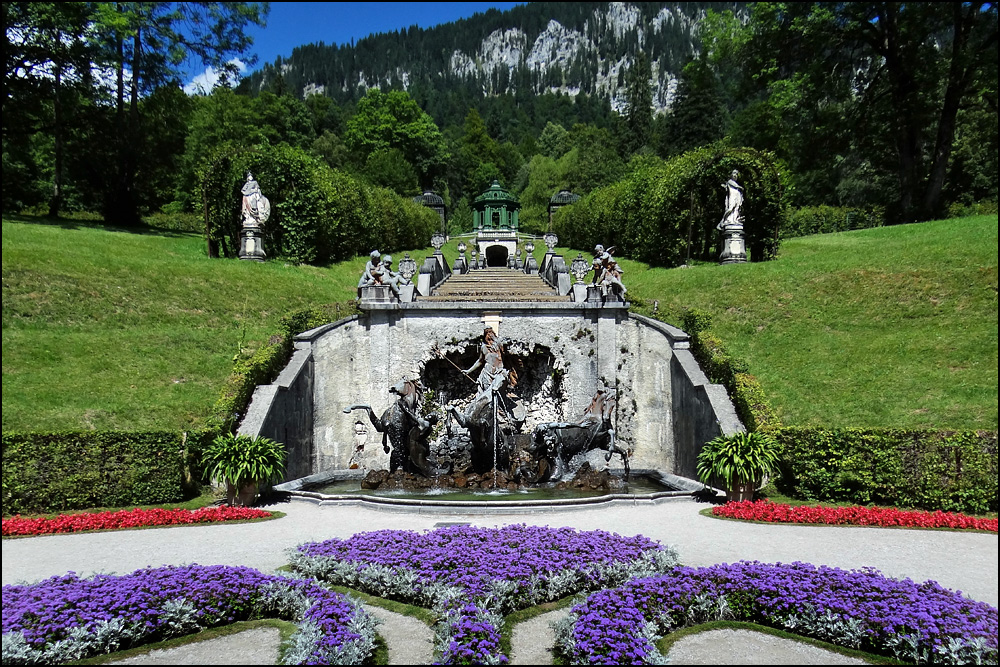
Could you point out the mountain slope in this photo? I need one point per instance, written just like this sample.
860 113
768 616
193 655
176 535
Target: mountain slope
567 48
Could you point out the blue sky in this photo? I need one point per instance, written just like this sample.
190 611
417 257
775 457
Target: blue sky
292 24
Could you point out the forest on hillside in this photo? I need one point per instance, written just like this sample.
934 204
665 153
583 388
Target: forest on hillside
863 105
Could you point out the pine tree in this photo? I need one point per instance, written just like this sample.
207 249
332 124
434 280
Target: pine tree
639 105
698 115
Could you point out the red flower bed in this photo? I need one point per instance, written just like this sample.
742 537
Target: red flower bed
850 516
74 523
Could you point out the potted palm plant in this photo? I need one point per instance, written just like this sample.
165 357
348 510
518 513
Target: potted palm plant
244 463
740 460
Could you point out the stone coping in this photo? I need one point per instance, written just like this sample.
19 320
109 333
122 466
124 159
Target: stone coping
296 489
497 305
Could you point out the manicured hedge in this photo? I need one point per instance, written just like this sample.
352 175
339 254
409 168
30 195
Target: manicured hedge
664 211
52 472
45 472
318 215
934 470
825 219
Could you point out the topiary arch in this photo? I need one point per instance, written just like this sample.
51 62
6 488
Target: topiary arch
665 213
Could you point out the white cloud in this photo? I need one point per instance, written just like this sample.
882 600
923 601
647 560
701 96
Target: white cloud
205 82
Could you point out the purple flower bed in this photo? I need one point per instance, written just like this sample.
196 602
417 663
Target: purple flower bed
474 575
69 618
853 608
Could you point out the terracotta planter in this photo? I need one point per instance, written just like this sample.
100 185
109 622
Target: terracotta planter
244 496
741 490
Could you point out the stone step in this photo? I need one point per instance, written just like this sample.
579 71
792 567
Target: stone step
496 284
497 298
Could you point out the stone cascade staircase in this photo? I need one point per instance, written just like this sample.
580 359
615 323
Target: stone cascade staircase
494 284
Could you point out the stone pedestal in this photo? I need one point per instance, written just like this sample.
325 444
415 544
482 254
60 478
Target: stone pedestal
734 249
580 293
377 294
252 245
595 295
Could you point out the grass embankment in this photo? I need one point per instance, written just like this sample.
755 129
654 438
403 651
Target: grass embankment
117 329
892 327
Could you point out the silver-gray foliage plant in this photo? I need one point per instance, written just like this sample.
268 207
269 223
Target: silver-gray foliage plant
179 617
302 643
81 642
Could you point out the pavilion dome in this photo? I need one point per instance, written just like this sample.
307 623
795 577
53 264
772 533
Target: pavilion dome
429 198
496 194
564 197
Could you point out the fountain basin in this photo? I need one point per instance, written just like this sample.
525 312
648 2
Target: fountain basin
344 486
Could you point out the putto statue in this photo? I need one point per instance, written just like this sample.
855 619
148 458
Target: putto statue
394 279
255 210
373 270
607 273
378 271
734 249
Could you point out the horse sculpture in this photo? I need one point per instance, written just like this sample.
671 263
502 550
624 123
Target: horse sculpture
559 442
403 427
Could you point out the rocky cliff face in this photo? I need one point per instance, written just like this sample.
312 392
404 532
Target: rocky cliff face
562 48
590 56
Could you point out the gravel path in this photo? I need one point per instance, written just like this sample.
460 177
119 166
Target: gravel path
410 642
531 642
745 647
250 647
960 561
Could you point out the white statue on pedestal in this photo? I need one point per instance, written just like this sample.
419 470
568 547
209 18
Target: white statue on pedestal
734 249
256 207
734 200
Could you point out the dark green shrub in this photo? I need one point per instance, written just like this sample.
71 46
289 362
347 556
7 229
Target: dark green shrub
176 221
318 215
933 470
962 209
721 367
664 212
262 367
751 403
825 219
45 472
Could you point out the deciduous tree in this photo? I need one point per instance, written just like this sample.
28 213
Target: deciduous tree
898 73
393 120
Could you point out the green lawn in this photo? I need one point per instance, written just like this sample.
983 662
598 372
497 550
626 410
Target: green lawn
890 327
112 329
107 329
